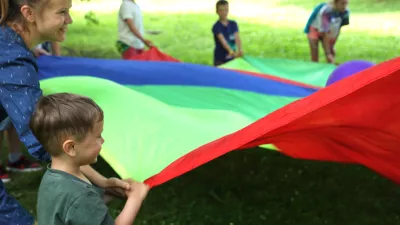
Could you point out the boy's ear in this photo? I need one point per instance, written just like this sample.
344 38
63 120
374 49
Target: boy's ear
68 148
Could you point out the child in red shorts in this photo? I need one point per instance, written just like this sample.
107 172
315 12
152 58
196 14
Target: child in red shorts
324 25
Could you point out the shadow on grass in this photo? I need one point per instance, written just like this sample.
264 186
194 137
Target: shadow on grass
257 186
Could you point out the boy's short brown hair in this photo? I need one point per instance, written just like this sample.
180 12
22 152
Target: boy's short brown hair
221 2
61 116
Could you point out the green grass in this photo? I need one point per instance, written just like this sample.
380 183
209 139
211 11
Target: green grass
274 31
253 186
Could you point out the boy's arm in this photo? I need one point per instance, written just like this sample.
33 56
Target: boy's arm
118 186
136 196
129 212
238 41
216 29
224 43
56 47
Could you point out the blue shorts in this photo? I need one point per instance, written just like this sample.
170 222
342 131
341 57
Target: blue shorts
11 212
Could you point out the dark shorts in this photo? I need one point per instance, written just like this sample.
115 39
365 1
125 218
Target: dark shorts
220 61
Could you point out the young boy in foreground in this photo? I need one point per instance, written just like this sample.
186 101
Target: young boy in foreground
226 36
69 127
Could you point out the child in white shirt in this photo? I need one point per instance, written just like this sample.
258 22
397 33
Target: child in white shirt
131 30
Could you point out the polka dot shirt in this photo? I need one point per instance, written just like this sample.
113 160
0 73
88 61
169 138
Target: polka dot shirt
19 88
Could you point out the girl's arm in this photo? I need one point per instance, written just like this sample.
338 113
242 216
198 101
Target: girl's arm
19 103
56 47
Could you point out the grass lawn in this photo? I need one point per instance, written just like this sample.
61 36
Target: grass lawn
253 186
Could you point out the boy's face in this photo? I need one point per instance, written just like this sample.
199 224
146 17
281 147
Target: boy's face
222 11
341 5
89 149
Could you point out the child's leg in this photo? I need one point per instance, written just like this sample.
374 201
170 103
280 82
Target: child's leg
13 141
16 160
11 212
4 176
332 46
313 41
1 142
314 49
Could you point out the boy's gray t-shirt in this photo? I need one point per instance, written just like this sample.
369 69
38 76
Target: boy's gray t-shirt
64 199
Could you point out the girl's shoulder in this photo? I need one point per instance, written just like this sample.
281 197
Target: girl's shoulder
15 58
12 45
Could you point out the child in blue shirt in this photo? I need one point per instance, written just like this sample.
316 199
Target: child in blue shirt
226 36
324 25
22 27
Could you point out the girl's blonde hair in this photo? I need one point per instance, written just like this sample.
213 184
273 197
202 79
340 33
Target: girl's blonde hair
10 10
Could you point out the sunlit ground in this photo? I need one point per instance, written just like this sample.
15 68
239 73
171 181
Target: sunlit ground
380 18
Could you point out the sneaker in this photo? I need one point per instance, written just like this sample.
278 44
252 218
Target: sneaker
23 165
4 176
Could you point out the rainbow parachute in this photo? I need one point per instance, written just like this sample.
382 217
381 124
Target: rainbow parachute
164 117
